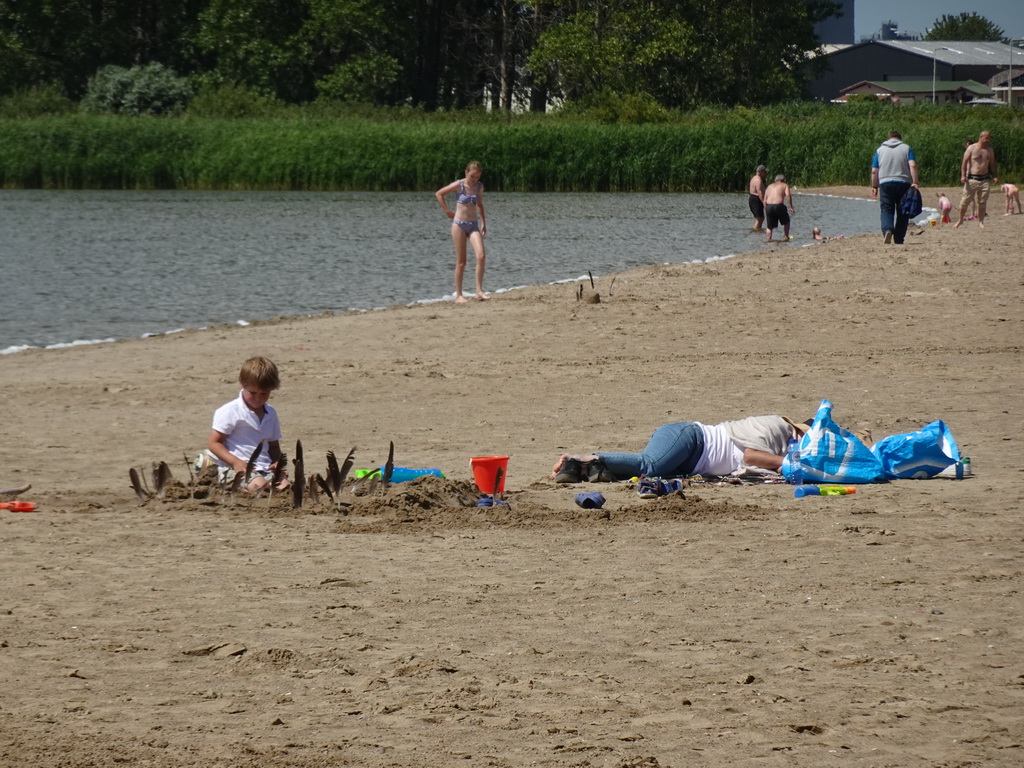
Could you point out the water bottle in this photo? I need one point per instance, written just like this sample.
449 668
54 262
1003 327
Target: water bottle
968 472
405 474
398 474
796 470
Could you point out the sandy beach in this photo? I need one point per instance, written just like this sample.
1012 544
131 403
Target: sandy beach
731 625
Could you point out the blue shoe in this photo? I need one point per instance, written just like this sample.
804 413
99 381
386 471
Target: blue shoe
648 488
487 501
592 500
673 486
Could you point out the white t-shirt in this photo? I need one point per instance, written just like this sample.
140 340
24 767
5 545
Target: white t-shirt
245 430
721 455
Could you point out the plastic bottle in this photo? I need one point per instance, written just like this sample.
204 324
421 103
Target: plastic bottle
968 471
399 474
404 474
796 470
823 490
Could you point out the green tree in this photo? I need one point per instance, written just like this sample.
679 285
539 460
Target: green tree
432 53
683 52
752 52
255 43
486 48
65 42
350 50
965 26
437 54
620 47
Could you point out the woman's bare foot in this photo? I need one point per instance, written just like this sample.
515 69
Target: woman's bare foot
483 296
460 299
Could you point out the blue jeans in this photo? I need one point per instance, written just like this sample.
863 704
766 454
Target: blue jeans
889 195
674 449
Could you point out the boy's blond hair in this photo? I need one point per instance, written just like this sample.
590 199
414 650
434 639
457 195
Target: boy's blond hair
259 372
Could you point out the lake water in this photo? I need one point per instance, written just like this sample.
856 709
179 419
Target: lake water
89 266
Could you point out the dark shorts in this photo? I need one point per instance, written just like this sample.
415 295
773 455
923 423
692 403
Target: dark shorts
776 214
756 206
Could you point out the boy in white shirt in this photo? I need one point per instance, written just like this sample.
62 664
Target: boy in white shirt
248 422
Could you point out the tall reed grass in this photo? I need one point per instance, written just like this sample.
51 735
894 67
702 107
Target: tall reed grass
707 150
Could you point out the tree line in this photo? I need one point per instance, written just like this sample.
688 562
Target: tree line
431 54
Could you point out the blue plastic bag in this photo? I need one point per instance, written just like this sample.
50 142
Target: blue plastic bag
831 454
920 454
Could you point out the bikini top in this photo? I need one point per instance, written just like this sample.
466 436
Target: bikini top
466 199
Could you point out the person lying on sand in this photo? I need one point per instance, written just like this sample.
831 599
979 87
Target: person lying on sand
688 448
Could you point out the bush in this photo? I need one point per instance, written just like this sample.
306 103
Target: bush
862 99
35 102
233 100
611 108
151 89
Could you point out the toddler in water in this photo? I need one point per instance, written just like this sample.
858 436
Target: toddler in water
944 206
816 232
246 423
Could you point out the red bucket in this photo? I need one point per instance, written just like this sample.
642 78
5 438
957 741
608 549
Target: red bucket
485 470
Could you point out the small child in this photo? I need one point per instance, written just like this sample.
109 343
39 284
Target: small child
248 422
945 206
1012 195
816 233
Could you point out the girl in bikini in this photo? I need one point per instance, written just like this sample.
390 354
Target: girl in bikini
469 223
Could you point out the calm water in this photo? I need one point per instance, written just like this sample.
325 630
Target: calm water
95 265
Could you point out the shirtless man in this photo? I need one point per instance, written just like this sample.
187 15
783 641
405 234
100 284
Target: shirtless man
776 197
977 174
1012 195
756 196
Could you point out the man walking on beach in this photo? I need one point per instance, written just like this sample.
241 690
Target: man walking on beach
893 172
977 174
776 196
756 196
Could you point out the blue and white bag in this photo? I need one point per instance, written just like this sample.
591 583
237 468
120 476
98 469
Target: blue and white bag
831 454
920 454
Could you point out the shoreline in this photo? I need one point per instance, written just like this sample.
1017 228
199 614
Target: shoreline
146 330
